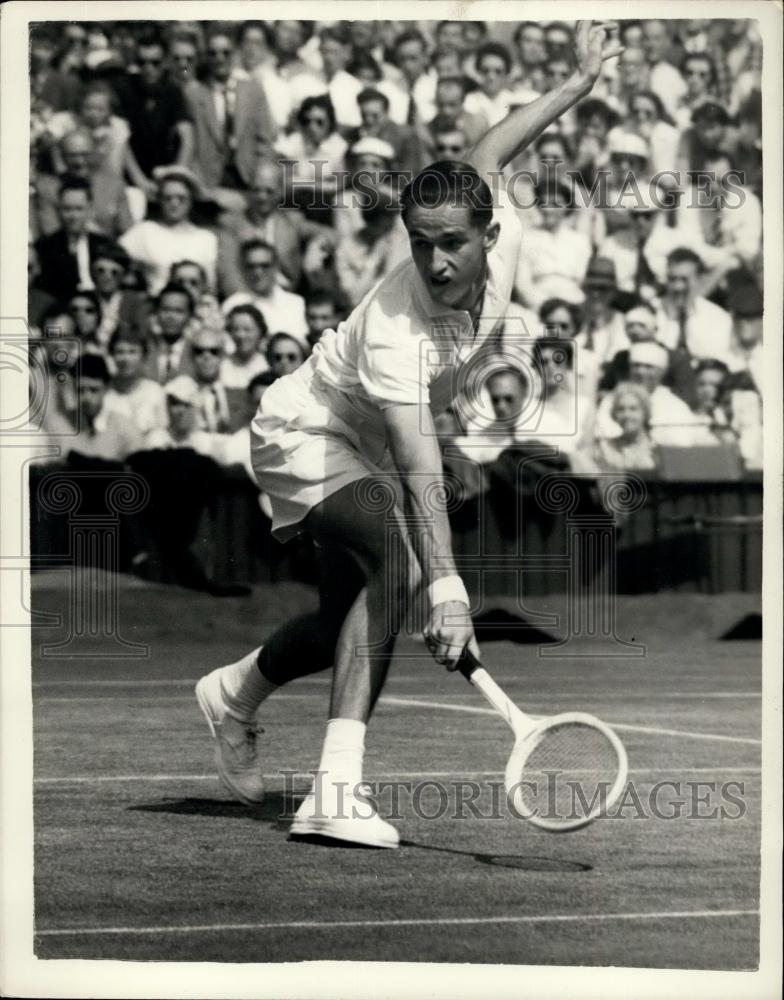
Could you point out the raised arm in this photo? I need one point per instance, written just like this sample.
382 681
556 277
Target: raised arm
507 139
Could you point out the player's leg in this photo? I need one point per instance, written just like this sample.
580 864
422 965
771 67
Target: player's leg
334 808
231 696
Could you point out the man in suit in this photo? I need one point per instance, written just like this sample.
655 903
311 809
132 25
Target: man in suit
120 307
168 354
232 122
65 256
111 212
286 229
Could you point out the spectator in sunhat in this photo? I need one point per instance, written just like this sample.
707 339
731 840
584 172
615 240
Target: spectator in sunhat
603 333
671 421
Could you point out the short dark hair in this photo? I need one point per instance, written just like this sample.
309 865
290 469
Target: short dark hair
682 255
175 288
92 366
450 181
412 35
711 365
494 49
254 244
454 81
264 379
364 60
704 57
250 310
550 305
319 101
554 137
128 335
508 369
371 94
71 183
323 296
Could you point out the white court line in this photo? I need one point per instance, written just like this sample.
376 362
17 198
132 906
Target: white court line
474 710
191 682
99 779
545 918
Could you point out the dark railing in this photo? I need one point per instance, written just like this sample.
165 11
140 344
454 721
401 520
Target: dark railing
703 537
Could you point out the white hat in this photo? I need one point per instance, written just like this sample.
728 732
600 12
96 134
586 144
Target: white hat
182 388
649 353
371 146
642 316
619 141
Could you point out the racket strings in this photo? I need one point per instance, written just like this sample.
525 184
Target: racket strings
567 774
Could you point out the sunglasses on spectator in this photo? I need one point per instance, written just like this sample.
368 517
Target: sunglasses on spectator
219 53
148 61
259 265
286 357
207 350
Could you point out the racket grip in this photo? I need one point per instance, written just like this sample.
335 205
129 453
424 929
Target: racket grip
468 663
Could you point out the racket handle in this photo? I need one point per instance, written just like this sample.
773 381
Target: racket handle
468 663
473 671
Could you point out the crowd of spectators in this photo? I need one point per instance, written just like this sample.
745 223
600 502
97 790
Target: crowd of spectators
206 198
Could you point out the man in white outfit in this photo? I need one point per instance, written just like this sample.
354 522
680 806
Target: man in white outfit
353 428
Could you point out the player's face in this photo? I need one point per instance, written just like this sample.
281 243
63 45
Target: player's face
449 252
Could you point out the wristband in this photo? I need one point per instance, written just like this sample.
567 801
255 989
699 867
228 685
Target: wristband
447 588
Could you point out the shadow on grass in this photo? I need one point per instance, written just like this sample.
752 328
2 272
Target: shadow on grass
277 809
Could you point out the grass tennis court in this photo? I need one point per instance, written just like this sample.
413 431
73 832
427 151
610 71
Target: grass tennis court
142 855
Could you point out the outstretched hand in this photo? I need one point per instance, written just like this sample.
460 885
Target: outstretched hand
594 42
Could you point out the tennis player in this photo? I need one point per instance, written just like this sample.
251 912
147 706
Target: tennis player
356 420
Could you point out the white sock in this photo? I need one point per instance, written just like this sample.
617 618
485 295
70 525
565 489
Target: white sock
244 687
344 748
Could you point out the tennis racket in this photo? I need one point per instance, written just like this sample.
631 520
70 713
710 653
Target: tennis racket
564 770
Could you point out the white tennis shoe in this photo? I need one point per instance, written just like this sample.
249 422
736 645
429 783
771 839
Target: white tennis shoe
339 814
236 750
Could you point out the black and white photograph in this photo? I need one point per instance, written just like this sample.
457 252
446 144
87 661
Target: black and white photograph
391 499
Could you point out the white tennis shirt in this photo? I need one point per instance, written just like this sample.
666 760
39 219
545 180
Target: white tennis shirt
400 346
